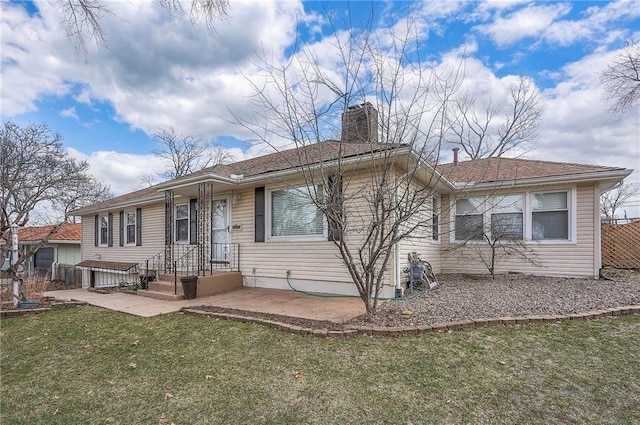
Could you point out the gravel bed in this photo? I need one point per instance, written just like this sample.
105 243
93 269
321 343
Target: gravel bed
463 297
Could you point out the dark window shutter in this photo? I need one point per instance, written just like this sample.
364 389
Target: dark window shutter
138 226
259 214
96 230
334 195
121 228
193 221
110 229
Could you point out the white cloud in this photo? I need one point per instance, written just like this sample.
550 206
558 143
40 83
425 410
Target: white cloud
549 23
70 113
595 25
156 70
577 126
124 172
527 22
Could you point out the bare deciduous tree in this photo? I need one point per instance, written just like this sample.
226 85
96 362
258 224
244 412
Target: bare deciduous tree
35 171
83 17
187 153
373 186
621 79
492 130
148 180
612 200
86 191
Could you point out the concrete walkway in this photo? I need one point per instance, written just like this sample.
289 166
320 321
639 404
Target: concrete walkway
275 301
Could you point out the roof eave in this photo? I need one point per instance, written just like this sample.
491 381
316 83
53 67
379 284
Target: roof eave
139 201
438 176
187 181
538 181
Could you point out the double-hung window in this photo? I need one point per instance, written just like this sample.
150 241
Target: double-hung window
130 227
469 224
104 230
507 217
539 216
294 214
182 223
550 216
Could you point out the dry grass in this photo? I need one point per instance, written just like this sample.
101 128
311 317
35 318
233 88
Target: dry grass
88 365
35 286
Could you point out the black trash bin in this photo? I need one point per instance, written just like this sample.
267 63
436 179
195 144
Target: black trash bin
144 281
189 286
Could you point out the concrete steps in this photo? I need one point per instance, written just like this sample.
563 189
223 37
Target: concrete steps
165 286
212 284
162 290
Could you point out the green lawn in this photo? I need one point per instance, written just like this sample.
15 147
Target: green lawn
91 366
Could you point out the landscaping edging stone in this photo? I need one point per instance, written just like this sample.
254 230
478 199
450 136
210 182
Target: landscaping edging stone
351 331
52 304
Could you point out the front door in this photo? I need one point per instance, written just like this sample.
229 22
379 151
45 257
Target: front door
220 229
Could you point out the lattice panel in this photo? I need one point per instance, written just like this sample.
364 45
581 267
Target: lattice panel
621 245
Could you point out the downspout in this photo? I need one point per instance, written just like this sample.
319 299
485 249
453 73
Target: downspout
399 289
597 229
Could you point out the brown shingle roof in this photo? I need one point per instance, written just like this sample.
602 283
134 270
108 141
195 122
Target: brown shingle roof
477 171
68 232
291 158
279 161
131 196
108 265
506 169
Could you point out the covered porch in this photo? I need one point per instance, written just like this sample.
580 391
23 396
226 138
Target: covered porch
197 242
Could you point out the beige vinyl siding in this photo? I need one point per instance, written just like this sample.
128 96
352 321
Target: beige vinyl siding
314 265
571 259
420 241
152 237
312 260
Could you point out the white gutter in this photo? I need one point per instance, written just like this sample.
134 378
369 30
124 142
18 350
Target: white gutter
565 178
187 181
123 204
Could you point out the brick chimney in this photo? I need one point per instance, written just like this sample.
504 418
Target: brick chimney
455 156
360 124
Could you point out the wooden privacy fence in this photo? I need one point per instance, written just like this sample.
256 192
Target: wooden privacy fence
621 245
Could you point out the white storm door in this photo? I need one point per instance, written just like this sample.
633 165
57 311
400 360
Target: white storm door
220 229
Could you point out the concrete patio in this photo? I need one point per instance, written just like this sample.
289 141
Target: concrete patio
274 301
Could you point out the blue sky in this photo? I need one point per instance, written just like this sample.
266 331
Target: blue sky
158 71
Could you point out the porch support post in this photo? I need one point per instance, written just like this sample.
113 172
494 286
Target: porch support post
205 198
169 208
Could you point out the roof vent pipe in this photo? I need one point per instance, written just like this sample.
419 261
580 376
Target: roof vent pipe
455 156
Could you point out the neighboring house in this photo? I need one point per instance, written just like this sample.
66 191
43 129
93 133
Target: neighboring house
246 216
63 248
